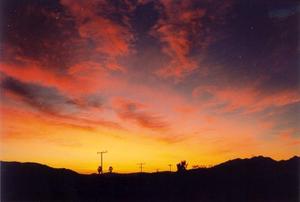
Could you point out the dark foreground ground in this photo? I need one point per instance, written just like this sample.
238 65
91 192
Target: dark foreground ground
256 179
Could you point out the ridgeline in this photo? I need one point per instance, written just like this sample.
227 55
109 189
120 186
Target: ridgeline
256 179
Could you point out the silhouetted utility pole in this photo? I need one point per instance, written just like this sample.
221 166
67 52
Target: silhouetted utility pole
141 166
170 165
101 153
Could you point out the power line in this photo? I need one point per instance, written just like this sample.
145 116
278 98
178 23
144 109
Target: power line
101 153
170 166
141 166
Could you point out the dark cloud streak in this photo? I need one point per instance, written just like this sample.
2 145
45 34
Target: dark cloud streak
52 103
42 98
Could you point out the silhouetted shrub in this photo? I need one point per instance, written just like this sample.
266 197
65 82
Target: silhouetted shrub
110 169
181 167
100 171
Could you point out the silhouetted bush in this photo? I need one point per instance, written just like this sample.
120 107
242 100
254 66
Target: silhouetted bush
100 171
110 169
181 167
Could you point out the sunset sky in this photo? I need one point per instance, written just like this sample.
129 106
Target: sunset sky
149 81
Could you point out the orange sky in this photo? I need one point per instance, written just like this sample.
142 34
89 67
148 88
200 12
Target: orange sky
150 81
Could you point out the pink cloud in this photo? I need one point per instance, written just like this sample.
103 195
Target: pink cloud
82 78
248 99
77 121
180 24
136 112
174 31
287 136
111 39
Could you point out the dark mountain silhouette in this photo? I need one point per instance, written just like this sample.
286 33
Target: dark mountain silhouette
256 179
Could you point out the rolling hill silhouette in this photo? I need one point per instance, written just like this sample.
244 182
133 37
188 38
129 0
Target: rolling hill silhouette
256 179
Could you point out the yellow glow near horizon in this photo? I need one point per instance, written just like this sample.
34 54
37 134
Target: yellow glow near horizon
76 149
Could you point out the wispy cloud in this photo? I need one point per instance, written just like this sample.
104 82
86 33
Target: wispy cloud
111 39
51 103
42 98
174 30
136 112
180 32
248 99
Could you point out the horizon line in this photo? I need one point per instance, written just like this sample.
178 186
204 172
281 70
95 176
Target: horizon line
155 171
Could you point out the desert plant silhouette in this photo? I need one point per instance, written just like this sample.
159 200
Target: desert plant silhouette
100 171
181 167
110 169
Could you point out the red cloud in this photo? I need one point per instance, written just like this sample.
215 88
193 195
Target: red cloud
174 32
82 78
133 111
246 98
111 39
179 29
53 118
177 47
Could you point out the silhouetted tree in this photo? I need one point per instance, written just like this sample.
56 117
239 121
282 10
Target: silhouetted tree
110 169
100 170
181 167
